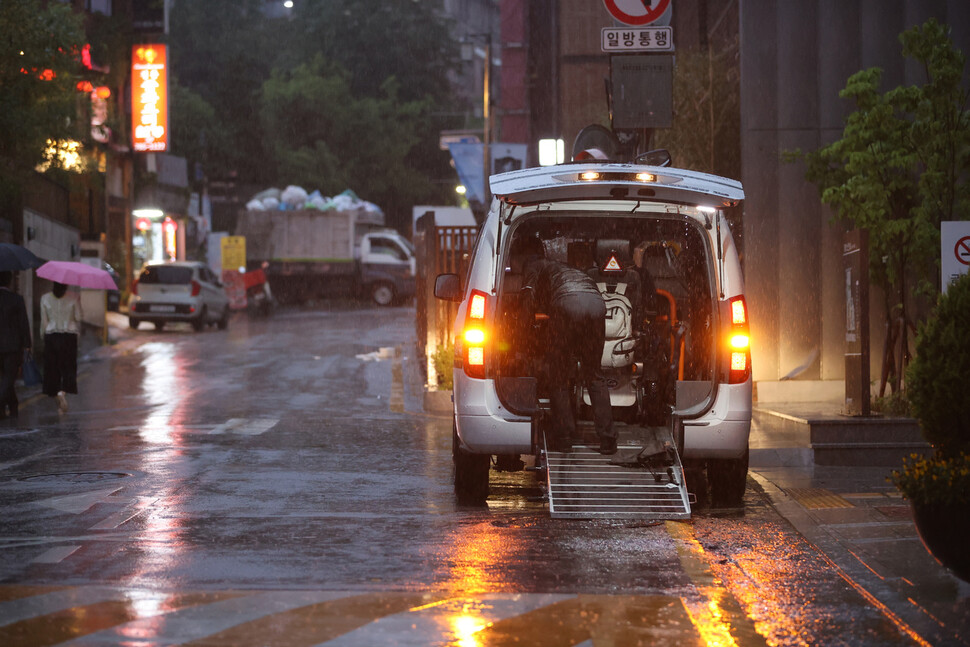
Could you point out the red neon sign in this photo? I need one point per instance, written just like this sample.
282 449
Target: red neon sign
149 98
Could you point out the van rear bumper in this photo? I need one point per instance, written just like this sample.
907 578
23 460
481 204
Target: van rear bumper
484 425
723 431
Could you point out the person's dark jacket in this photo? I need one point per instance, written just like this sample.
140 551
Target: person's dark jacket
553 281
14 328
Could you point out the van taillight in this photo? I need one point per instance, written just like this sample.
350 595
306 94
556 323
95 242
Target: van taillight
474 336
738 342
134 287
196 288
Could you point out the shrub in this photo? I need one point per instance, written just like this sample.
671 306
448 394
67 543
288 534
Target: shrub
938 480
444 361
938 377
895 404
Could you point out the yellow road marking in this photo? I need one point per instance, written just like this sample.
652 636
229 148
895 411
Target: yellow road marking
15 592
719 619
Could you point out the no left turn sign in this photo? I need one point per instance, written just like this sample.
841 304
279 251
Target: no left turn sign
637 12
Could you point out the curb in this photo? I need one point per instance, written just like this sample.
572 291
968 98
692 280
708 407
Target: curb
438 401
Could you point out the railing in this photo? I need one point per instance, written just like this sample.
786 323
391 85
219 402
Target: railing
440 250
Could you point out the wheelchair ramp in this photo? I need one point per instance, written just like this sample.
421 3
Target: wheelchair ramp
584 484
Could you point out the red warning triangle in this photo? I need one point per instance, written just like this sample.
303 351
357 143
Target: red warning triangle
612 265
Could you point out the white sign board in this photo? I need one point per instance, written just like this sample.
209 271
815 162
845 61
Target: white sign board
955 250
634 39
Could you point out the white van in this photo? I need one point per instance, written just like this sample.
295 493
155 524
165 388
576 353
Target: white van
658 245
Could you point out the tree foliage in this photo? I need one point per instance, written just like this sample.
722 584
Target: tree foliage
375 39
40 45
902 162
325 137
937 377
223 50
340 95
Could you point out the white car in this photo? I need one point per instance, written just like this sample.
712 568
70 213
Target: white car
677 352
184 291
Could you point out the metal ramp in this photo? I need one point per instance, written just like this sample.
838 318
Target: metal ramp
584 484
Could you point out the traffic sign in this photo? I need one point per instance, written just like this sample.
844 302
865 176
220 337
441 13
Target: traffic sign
954 250
637 12
639 39
962 250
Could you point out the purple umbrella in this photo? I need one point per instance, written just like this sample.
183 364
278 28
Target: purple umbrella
72 273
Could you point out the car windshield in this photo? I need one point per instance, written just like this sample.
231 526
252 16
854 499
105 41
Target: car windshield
166 274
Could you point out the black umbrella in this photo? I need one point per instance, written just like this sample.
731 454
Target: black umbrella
16 258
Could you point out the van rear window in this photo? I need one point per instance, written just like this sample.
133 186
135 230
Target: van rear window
166 275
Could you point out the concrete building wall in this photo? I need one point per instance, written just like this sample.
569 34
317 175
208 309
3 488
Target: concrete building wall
795 58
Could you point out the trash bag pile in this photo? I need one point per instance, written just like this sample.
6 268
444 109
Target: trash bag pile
295 197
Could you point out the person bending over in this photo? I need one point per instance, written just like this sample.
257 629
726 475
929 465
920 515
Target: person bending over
577 332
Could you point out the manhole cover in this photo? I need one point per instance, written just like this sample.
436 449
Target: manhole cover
75 477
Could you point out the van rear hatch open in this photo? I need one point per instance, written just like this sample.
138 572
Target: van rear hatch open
668 227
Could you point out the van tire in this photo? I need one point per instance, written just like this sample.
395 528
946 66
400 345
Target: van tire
728 478
133 323
223 322
159 325
471 475
382 293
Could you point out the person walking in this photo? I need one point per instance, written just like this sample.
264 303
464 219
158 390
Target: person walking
577 321
14 340
60 320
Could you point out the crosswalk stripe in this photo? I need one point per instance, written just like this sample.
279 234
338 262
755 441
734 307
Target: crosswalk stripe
598 619
315 623
80 621
55 555
100 615
196 622
34 605
77 503
130 511
454 621
246 426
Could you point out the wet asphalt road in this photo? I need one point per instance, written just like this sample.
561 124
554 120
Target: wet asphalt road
277 483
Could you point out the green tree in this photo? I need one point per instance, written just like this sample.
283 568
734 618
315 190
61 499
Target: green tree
223 50
375 39
900 168
39 51
323 136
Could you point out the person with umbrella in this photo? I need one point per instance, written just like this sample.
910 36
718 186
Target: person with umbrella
60 321
14 339
60 316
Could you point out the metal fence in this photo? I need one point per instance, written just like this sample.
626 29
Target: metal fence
440 250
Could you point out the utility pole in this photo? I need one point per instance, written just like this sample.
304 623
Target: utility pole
487 115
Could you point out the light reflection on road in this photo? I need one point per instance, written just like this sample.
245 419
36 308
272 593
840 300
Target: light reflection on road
163 383
160 547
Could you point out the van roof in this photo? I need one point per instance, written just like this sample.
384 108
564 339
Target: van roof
615 181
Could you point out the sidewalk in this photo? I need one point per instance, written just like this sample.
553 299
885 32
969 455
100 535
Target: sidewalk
90 349
858 520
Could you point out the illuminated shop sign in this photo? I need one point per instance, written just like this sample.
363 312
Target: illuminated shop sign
149 98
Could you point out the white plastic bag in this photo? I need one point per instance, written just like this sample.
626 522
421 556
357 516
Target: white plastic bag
294 196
